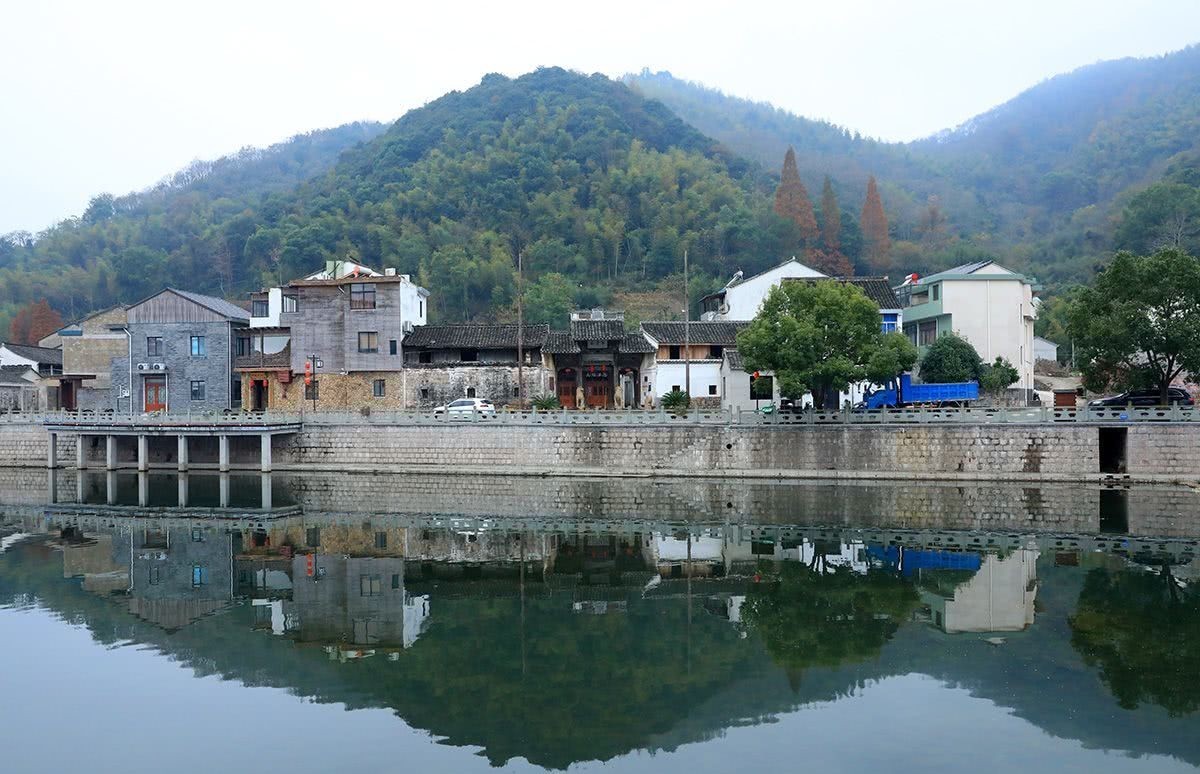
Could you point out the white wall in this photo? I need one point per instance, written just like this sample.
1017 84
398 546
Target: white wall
996 316
999 598
414 302
668 373
10 358
274 307
744 300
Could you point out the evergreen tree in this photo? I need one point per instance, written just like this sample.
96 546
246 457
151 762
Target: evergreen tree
874 226
831 219
791 199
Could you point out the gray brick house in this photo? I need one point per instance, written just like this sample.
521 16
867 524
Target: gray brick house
180 354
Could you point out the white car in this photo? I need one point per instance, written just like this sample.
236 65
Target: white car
466 407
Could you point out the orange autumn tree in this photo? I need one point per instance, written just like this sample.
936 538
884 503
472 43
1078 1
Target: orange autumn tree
829 258
792 202
875 229
33 322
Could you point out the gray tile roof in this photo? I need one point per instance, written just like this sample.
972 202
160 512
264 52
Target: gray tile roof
597 330
878 289
15 374
560 344
721 333
220 306
476 336
37 354
735 359
635 343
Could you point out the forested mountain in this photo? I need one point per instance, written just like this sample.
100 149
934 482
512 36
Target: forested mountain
602 185
1039 182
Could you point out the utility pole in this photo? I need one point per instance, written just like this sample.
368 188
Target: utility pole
520 335
687 331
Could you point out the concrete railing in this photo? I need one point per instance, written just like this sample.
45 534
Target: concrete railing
628 417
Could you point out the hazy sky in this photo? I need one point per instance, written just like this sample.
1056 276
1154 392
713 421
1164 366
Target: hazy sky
113 96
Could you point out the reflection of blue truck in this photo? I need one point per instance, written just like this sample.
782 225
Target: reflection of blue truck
902 392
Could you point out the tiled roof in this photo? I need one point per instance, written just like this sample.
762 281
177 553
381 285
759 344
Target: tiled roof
476 336
876 288
560 344
735 359
36 354
635 343
597 330
720 333
14 374
220 306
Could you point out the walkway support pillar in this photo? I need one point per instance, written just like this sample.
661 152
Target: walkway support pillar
266 452
81 452
143 452
224 490
183 453
110 452
143 488
52 450
183 490
224 454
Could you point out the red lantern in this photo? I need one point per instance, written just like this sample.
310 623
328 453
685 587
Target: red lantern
307 372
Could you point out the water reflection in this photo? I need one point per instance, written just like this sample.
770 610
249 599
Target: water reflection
563 639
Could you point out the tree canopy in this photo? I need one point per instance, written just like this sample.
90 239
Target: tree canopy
1138 324
819 337
951 358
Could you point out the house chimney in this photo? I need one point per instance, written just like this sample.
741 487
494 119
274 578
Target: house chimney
389 272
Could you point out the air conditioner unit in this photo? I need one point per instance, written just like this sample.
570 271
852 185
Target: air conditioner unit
160 366
143 366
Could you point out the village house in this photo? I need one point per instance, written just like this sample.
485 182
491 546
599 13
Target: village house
447 362
19 387
346 324
89 347
180 355
690 355
988 305
597 360
45 362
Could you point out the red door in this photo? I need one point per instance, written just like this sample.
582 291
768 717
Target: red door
566 388
156 393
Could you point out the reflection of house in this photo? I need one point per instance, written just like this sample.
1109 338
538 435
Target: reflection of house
89 348
999 597
360 600
181 353
985 303
598 359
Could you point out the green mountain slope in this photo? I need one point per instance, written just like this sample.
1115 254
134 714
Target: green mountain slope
1039 182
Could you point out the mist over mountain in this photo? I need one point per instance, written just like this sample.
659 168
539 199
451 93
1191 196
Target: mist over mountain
601 185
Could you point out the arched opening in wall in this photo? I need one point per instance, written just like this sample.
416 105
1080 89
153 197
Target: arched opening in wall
470 392
1112 449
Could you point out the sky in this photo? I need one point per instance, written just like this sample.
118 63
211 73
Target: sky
114 96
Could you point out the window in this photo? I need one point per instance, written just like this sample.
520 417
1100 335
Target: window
470 392
393 348
425 357
199 576
312 537
235 391
154 574
370 585
675 388
468 355
927 332
154 347
516 392
424 393
291 304
715 352
197 535
241 346
379 388
381 540
260 308
889 322
198 347
673 353
395 580
197 389
362 296
368 341
712 389
937 292
312 391
762 388
420 308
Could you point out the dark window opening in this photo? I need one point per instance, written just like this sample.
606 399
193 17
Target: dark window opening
260 308
470 392
312 537
395 580
198 389
154 347
379 388
468 355
673 353
425 357
368 341
241 346
1112 449
393 347
424 392
381 540
712 389
715 352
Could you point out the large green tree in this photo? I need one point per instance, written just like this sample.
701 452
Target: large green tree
1138 324
951 359
549 300
819 337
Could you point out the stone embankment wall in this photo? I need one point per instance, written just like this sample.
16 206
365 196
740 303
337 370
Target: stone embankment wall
1009 453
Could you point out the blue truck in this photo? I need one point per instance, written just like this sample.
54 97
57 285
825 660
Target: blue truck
902 392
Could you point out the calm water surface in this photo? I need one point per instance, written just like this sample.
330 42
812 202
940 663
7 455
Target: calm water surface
420 624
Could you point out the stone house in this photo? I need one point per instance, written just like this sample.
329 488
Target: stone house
18 388
181 350
89 347
45 362
347 320
446 362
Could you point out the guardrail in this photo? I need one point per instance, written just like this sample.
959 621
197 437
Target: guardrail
635 417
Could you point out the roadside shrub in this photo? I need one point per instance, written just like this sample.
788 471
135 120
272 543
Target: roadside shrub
998 376
546 402
676 401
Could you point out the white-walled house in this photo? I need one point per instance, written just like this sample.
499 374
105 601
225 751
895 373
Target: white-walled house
1044 349
741 298
988 305
689 352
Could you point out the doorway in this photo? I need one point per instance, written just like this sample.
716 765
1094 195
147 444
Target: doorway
566 388
156 394
67 395
1112 449
260 395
